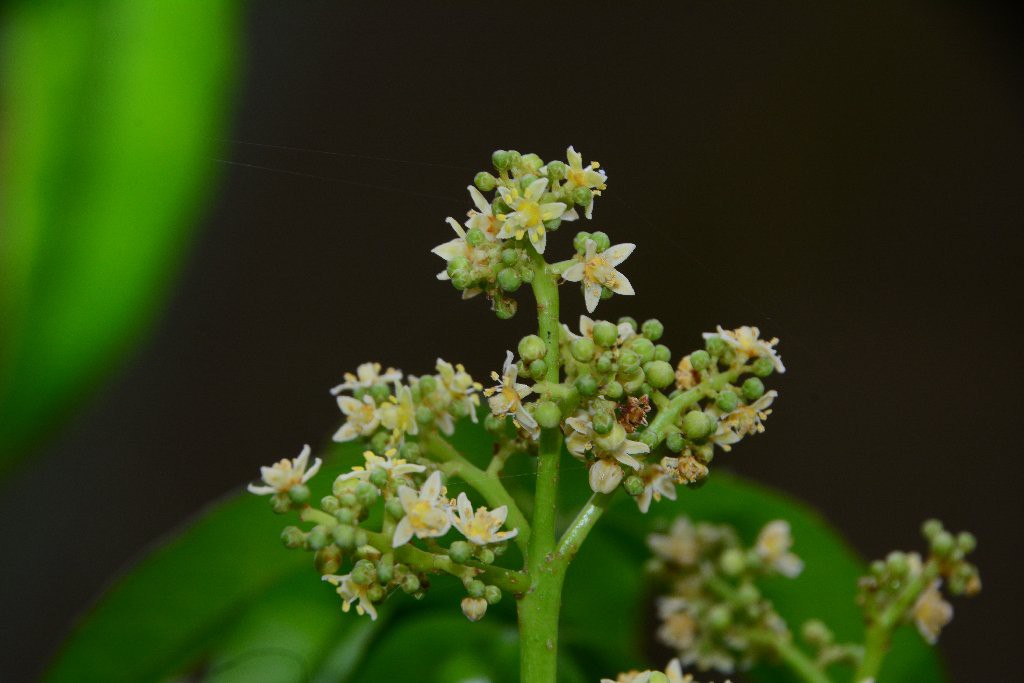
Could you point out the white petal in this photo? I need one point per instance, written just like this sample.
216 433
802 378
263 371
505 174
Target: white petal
346 433
450 250
622 285
615 255
604 476
573 273
261 490
591 295
432 486
403 533
482 205
535 189
465 508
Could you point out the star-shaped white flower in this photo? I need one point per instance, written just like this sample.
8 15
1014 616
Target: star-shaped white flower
507 397
482 526
350 592
746 341
528 214
284 474
773 544
394 467
626 331
596 270
399 414
456 248
606 473
590 176
460 385
427 514
363 417
745 420
366 376
483 218
659 482
581 434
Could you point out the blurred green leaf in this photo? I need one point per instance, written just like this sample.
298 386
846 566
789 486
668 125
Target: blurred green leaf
111 111
224 600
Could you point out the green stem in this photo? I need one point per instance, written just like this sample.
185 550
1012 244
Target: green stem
577 532
539 608
675 406
879 630
489 487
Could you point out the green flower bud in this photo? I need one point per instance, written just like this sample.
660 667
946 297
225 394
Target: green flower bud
485 555
475 588
348 500
492 594
897 563
531 162
637 386
877 568
538 368
531 347
293 537
484 181
409 451
328 559
659 373
930 528
658 677
649 437
652 329
603 422
299 493
733 562
966 542
378 477
344 536
675 442
509 257
629 321
763 367
329 504
753 389
509 280
456 265
643 347
515 158
386 569
525 273
579 242
394 508
613 439
700 360
662 352
605 363
504 307
424 415
556 171
943 543
719 617
586 385
728 357
379 442
547 413
698 425
613 390
525 182
716 346
605 334
317 538
501 159
600 238
553 224
582 349
747 594
629 361
411 583
633 484
364 573
727 401
380 392
475 237
460 552
581 196
345 515
366 494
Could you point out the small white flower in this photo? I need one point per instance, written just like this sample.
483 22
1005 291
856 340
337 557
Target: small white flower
743 421
482 526
606 472
474 609
659 482
673 673
626 331
528 214
581 434
284 474
399 414
507 397
366 376
773 544
590 176
483 218
461 387
350 592
746 341
931 613
394 467
363 417
460 247
680 545
597 270
427 514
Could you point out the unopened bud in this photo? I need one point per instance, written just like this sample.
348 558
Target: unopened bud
698 424
700 360
659 374
547 413
753 389
634 485
474 608
328 559
583 349
484 181
293 537
501 159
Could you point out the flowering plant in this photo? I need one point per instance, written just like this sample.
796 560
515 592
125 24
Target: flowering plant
610 395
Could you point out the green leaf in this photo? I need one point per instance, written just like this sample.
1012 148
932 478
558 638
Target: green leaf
112 110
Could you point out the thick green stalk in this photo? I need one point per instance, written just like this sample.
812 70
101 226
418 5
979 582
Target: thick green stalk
539 608
577 532
671 411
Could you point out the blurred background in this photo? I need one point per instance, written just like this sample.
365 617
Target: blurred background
211 211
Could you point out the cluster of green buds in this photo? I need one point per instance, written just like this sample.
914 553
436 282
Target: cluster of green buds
493 250
904 587
713 614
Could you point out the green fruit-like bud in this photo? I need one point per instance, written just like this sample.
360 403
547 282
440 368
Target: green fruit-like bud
747 594
652 329
484 181
379 477
299 493
424 415
475 237
475 588
547 413
763 367
753 389
509 257
386 569
943 543
538 368
379 442
675 442
582 196
966 542
525 273
531 162
727 401
460 552
329 504
411 583
485 555
525 181
700 360
579 242
345 515
658 677
556 171
492 594
531 347
605 363
643 347
409 451
659 374
428 384
733 561
601 239
348 500
719 617
698 424
509 280
553 224
317 538
501 159
930 528
649 438
586 385
662 352
293 537
366 494
629 321
583 349
633 484
364 573
504 307
613 439
605 334
344 536
613 390
629 361
716 346
394 508
636 386
603 422
380 392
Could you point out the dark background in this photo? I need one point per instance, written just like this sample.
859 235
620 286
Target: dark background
847 178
